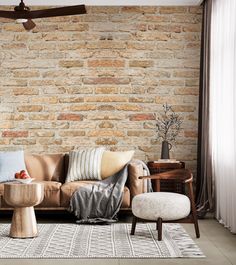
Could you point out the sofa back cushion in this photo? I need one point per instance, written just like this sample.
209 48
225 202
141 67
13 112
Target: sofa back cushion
46 167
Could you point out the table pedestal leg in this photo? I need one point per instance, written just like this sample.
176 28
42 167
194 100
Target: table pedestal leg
23 223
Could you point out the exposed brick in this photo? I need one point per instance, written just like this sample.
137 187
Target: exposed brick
131 9
73 27
101 79
70 46
149 125
106 80
70 133
140 133
83 107
42 46
49 141
106 99
104 44
165 28
106 125
106 90
187 91
26 74
13 27
106 63
191 134
186 73
184 108
42 117
106 141
30 108
129 107
40 83
142 117
172 10
45 134
164 99
153 36
157 18
106 107
106 116
25 91
148 149
192 82
15 134
70 117
4 141
13 46
192 28
71 63
15 82
141 63
47 100
71 100
141 100
106 133
195 10
22 141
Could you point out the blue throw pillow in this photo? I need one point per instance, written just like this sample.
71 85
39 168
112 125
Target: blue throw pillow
10 163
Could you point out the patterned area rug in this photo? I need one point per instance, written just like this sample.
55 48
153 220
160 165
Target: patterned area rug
100 241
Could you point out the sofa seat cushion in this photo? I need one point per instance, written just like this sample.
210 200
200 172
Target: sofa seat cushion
51 194
69 188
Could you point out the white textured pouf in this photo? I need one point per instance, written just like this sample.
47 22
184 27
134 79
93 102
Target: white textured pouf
166 205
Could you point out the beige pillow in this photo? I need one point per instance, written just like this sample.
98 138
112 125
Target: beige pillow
113 162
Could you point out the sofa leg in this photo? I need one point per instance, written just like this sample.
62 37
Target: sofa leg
134 221
159 228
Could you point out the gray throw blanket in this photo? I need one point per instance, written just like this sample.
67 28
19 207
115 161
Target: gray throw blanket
100 202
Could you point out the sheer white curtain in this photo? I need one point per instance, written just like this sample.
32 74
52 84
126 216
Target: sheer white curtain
223 109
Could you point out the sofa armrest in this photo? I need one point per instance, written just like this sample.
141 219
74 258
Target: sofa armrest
135 184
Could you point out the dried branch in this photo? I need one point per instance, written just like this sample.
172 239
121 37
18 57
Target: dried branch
168 124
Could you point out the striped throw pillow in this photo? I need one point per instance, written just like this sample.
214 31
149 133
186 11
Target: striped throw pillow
85 164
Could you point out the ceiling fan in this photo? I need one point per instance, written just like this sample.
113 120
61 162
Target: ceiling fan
22 13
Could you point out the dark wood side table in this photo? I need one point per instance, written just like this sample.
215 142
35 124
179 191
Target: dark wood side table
159 167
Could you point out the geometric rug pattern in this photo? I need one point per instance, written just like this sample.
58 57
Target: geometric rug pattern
100 241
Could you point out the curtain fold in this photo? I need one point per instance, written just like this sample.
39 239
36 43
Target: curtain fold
205 180
223 109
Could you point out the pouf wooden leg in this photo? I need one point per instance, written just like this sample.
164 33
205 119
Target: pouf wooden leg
159 228
134 221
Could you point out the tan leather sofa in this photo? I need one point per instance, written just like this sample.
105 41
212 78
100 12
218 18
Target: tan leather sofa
51 170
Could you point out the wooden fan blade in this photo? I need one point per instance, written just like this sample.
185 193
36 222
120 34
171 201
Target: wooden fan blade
15 14
29 24
8 14
60 11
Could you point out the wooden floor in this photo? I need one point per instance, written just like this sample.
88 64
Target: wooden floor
217 243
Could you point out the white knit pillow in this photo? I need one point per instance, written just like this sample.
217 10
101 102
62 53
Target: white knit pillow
85 164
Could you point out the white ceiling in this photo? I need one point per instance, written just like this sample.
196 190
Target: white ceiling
104 2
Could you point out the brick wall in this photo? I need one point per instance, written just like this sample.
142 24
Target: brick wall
100 79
